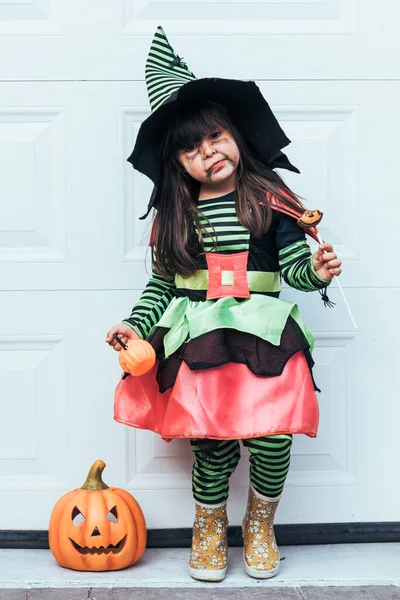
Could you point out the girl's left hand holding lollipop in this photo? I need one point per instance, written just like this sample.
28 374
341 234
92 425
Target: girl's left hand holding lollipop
325 261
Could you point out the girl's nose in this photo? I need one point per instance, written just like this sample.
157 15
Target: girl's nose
207 148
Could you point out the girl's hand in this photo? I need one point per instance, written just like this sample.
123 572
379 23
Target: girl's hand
124 332
326 262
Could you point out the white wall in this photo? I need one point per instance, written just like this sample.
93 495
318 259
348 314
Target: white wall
72 249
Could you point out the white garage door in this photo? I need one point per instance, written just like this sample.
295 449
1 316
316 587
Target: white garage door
72 249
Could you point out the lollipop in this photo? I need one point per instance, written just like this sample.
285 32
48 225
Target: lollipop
136 357
309 220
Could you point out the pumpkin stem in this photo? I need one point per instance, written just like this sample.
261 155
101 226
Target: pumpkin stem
94 480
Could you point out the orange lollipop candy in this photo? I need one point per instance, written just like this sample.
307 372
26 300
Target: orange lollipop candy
310 218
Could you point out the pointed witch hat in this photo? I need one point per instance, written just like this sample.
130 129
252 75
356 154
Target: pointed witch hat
171 86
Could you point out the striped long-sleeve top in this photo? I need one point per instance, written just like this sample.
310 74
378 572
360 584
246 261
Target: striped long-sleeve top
283 248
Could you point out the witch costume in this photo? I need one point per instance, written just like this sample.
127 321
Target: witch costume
233 359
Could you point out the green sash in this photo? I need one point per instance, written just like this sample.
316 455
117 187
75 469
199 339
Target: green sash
258 281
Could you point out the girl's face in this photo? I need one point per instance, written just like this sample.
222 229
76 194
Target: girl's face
200 159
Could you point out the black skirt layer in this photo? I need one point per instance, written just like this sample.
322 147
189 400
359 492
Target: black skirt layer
222 346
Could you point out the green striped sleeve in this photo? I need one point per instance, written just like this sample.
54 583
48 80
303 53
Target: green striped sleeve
297 269
153 302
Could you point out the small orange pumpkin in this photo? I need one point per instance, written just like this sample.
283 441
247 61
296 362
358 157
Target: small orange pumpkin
96 527
136 357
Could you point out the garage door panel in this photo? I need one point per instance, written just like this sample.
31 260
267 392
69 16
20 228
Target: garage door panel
73 251
325 39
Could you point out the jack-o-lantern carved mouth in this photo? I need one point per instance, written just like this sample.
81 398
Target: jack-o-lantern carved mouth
101 550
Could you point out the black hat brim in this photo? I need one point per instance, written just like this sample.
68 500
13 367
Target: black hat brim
247 108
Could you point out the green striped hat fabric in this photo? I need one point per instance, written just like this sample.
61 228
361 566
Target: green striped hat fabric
165 72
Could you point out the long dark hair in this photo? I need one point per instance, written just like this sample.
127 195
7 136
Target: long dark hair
179 192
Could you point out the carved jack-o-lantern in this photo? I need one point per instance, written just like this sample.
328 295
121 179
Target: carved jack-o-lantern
96 527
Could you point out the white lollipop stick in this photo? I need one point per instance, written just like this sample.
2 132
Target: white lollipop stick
341 290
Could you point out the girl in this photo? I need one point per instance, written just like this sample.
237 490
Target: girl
233 360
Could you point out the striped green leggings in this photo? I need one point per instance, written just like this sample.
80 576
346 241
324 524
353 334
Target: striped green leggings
216 460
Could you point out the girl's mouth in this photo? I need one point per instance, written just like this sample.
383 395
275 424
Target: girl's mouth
218 165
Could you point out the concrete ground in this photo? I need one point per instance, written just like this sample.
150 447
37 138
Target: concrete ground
330 572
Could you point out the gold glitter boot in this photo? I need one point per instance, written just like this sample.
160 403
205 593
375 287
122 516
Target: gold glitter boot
209 552
260 552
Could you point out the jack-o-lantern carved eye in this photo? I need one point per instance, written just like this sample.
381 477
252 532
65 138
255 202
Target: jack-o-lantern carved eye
112 515
77 517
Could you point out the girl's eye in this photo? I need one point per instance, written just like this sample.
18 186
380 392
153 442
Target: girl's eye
190 148
216 133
